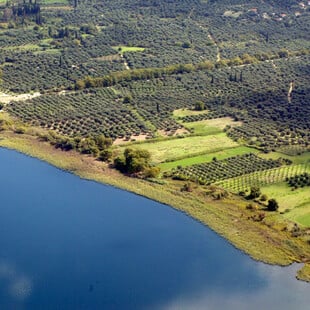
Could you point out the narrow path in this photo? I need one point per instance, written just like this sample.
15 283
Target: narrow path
190 13
125 62
273 64
126 65
289 93
218 54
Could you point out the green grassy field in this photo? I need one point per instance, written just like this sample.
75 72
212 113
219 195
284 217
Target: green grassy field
187 112
174 149
305 219
240 150
298 159
202 129
124 49
210 126
294 203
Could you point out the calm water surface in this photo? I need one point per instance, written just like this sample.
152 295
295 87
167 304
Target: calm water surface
67 243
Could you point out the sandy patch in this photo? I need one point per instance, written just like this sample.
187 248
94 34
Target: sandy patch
109 58
6 98
234 14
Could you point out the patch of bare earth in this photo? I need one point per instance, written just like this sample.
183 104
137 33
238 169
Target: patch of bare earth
6 98
179 131
108 58
222 122
120 141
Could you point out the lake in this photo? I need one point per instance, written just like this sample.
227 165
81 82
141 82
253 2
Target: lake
69 243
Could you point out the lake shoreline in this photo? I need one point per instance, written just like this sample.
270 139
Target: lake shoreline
228 218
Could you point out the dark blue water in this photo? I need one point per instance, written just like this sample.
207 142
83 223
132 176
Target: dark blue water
67 243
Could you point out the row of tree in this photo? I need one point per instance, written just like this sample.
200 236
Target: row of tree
22 10
150 73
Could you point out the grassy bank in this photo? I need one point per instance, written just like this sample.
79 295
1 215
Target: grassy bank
266 241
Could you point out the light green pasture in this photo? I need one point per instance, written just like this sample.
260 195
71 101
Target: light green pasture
295 203
207 157
178 148
124 49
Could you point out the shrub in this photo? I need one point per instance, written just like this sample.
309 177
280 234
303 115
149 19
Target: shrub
151 172
263 197
105 155
187 187
254 192
127 99
250 206
20 130
272 205
186 45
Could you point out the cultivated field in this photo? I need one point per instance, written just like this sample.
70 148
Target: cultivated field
264 177
211 126
178 148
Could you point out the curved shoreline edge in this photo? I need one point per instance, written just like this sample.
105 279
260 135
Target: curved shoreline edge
227 218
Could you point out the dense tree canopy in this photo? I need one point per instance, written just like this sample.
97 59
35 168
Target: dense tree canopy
272 205
134 161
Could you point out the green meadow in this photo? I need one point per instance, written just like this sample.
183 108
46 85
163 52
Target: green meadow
180 148
294 204
125 49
